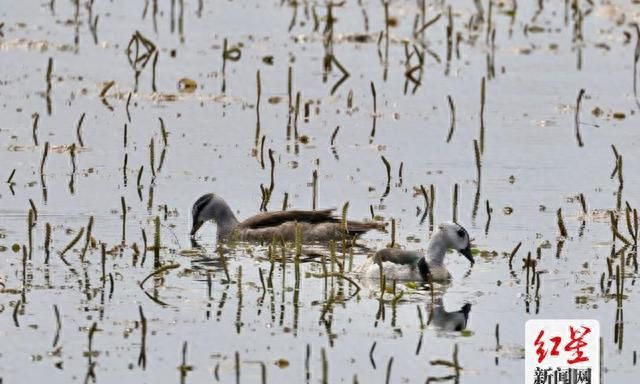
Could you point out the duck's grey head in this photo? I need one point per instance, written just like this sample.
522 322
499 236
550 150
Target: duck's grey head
212 207
457 238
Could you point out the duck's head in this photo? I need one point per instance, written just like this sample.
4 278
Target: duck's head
457 238
211 207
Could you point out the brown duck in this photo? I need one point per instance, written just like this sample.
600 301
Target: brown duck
320 225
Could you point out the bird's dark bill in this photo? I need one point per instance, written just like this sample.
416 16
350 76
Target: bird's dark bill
467 253
196 226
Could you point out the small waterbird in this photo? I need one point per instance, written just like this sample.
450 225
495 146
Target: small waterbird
399 264
319 225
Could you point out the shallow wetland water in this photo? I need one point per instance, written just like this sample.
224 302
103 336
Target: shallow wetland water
81 138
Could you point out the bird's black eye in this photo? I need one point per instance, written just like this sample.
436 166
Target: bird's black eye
461 233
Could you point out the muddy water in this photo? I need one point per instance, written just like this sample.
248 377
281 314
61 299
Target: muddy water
531 165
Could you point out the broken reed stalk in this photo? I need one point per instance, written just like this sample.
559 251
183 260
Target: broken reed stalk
159 270
45 153
259 94
577 118
10 179
264 137
477 151
103 263
583 203
124 168
78 131
449 30
163 131
272 161
87 239
389 364
432 204
513 253
388 168
154 65
393 233
345 225
152 158
452 124
298 248
334 134
296 112
375 102
489 209
36 118
314 182
73 242
142 358
156 243
126 106
636 58
16 309
72 154
614 229
138 180
123 207
49 72
285 201
47 242
561 227
426 197
325 367
482 102
455 203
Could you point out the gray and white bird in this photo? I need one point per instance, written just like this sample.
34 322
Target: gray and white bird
399 264
320 225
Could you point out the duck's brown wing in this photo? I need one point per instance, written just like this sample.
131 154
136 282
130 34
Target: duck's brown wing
357 228
272 219
397 256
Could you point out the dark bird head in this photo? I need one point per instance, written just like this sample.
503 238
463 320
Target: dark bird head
212 207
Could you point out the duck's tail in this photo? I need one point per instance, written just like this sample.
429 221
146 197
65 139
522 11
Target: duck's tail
357 228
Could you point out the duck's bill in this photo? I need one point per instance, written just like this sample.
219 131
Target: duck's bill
467 253
194 229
